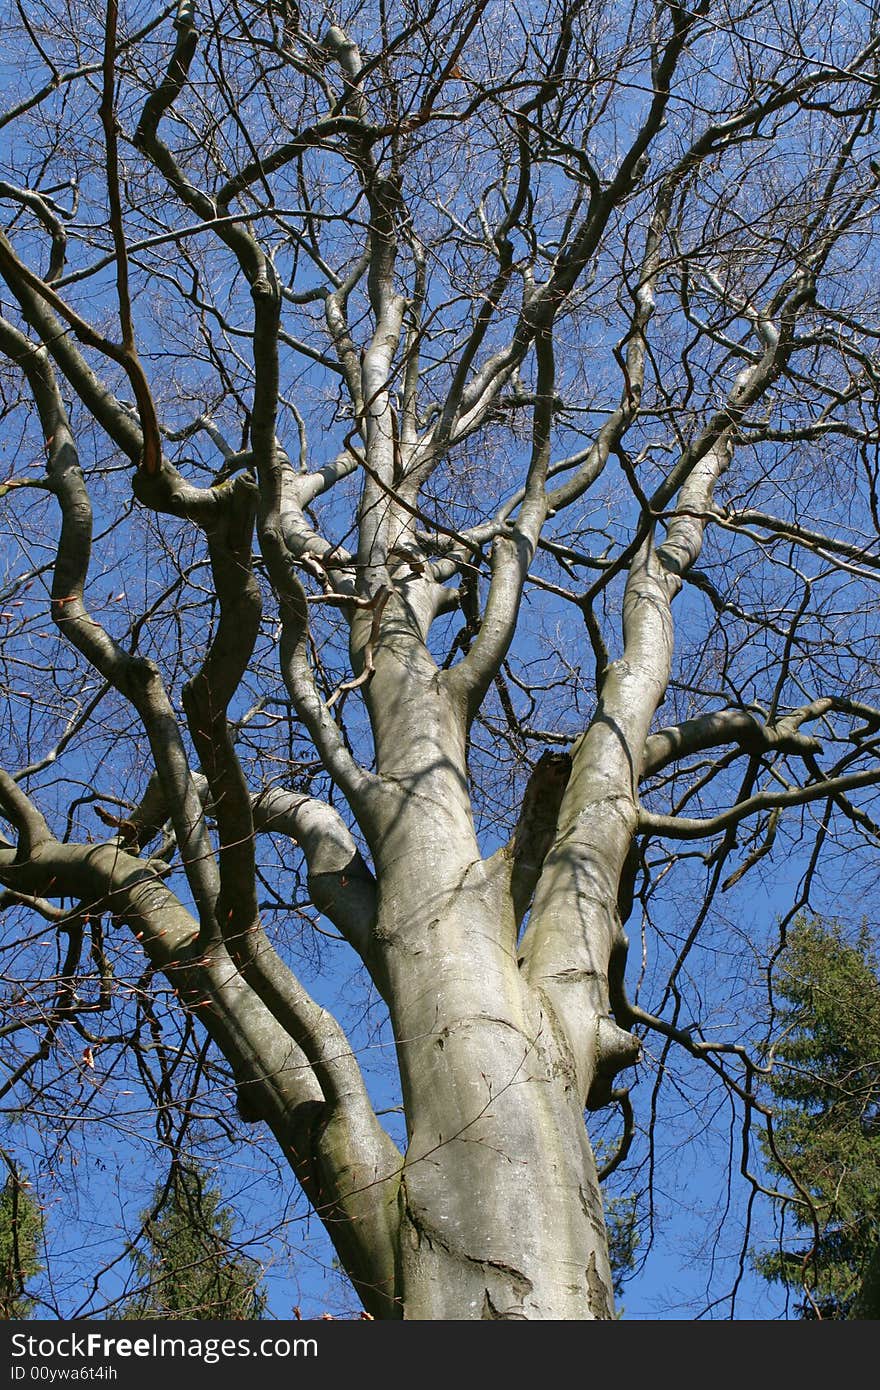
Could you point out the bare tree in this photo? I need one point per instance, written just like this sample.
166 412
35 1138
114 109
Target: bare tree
459 524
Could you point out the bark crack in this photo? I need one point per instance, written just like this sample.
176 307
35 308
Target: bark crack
597 1293
507 1278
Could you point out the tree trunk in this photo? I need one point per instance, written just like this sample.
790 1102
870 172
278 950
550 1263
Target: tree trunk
500 1209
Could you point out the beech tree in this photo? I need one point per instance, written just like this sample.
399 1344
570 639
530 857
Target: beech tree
441 504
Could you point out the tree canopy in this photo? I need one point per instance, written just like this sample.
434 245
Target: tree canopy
825 1080
440 500
21 1235
189 1268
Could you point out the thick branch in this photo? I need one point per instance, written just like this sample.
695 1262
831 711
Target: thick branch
340 883
732 726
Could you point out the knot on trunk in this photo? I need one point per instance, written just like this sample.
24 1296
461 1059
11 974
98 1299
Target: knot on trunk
615 1050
